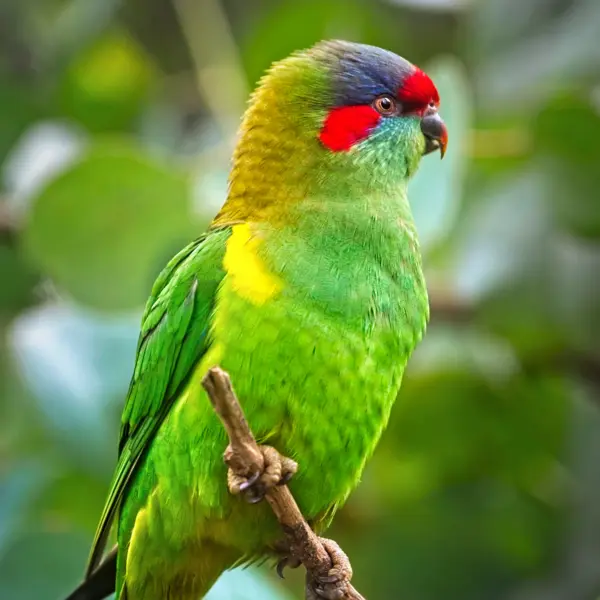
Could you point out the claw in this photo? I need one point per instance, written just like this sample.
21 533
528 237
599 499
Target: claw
277 470
287 561
255 494
287 477
249 482
281 565
333 584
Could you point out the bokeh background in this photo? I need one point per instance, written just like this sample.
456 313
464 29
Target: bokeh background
117 120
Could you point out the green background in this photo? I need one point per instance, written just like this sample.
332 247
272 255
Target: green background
117 120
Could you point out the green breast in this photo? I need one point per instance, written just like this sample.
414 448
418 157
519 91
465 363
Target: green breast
319 365
318 391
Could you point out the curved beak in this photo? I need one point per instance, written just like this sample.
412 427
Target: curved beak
435 132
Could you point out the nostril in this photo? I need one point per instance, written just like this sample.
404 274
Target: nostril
431 110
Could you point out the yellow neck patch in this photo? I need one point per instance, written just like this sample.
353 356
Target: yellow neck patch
246 271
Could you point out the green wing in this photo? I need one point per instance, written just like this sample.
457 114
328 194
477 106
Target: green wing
174 337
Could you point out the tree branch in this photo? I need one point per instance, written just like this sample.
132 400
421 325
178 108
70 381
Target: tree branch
244 459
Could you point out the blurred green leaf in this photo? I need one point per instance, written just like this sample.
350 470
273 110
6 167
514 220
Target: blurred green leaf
448 347
577 263
75 363
21 276
18 490
495 28
44 149
551 52
459 425
19 106
76 495
571 576
42 564
104 228
74 23
106 86
563 132
566 126
505 235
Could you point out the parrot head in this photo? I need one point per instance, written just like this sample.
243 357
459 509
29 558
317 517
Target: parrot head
340 117
378 102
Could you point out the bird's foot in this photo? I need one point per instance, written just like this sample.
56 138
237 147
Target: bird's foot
334 584
277 470
287 562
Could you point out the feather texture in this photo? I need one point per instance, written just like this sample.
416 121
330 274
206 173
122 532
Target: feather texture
308 290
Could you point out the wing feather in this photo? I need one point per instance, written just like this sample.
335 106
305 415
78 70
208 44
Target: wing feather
174 337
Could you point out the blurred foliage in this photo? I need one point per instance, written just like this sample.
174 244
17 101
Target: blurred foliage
141 206
116 126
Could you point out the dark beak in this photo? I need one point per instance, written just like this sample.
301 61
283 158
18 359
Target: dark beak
435 132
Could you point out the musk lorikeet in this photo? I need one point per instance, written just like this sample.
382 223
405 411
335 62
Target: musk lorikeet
308 289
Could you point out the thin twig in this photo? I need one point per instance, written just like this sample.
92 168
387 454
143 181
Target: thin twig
244 459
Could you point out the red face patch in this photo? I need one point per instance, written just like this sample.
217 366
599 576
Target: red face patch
347 125
417 92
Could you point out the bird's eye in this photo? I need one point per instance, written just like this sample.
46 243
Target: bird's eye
385 105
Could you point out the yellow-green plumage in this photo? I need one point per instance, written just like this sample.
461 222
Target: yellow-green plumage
308 290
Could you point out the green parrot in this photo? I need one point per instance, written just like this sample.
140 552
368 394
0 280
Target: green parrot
308 289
